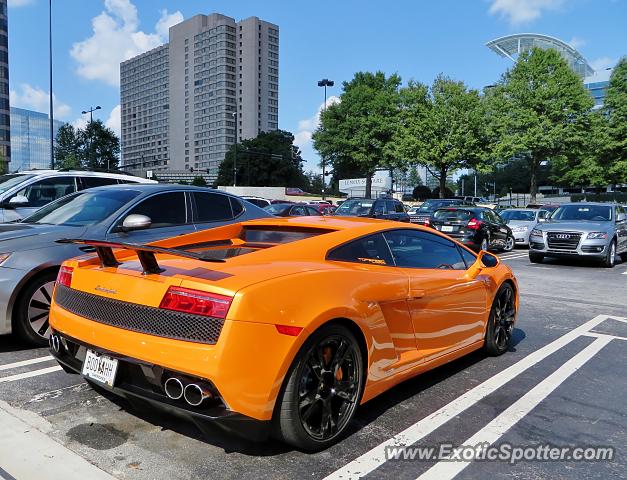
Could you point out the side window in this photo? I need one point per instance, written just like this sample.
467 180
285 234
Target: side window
45 191
91 182
164 209
399 207
371 250
312 211
298 210
416 249
542 214
379 208
212 207
468 256
236 206
390 206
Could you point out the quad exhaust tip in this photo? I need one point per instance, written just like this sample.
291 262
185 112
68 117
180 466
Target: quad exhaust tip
55 343
195 394
173 388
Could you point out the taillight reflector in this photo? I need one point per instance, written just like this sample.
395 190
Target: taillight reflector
64 277
290 330
474 224
196 302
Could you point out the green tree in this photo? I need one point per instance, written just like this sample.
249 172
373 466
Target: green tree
414 179
615 108
359 129
67 149
421 192
100 146
537 111
271 159
315 182
199 181
442 128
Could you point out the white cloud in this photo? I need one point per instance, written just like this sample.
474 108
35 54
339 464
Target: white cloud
166 21
80 122
116 37
602 63
577 42
302 138
114 122
523 11
20 3
34 98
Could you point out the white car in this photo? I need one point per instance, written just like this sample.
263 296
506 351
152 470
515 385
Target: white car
522 221
24 192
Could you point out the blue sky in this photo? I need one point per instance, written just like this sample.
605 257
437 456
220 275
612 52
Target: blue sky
417 39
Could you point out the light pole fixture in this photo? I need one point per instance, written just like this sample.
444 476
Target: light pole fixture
51 115
325 82
234 115
91 111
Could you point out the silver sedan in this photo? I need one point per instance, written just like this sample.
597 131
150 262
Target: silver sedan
522 221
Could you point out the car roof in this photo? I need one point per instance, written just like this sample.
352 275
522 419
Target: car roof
158 187
85 173
597 204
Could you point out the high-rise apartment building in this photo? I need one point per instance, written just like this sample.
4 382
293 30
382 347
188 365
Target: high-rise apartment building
5 115
30 139
186 102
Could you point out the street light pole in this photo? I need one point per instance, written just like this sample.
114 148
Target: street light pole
325 82
234 114
51 114
91 119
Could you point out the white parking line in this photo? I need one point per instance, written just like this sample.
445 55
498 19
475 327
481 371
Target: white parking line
23 363
34 373
446 470
376 457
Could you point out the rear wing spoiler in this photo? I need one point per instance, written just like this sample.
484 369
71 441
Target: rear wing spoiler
145 253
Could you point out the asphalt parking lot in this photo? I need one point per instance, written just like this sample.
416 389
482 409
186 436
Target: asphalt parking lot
562 384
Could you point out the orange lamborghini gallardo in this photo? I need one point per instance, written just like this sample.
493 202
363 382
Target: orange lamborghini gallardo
277 325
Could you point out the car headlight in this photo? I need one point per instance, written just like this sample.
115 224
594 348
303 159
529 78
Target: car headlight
4 257
597 235
519 228
536 233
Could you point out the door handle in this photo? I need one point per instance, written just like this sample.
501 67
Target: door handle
416 293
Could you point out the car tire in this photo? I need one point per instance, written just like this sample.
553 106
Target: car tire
498 334
510 243
536 257
610 257
30 315
311 379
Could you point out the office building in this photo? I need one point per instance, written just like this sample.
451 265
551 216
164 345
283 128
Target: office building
5 117
511 46
185 103
30 139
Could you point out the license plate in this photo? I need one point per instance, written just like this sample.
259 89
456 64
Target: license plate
100 367
447 228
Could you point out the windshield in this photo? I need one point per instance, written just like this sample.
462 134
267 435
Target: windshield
452 215
519 215
9 181
594 213
431 205
355 207
275 208
83 208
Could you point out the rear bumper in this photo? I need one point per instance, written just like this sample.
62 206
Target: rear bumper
138 381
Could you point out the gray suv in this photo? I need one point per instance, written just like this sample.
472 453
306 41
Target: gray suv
582 230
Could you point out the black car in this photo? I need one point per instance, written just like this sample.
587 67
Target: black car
384 208
291 210
478 228
423 214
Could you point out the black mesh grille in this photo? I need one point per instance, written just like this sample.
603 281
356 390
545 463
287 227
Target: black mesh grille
139 318
563 240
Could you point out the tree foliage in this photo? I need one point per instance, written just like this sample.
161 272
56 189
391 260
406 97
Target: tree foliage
358 131
615 108
199 181
95 147
271 159
442 127
539 111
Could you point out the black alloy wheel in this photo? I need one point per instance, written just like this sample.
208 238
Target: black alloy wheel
323 390
501 321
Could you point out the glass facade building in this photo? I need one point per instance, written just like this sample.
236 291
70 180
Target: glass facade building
597 85
5 129
30 139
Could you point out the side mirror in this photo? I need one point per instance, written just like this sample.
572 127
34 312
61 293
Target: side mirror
621 217
18 200
484 260
135 222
